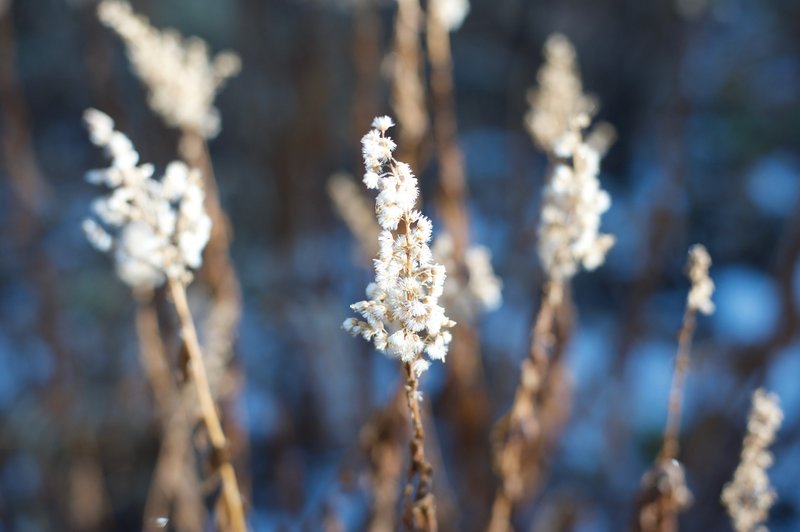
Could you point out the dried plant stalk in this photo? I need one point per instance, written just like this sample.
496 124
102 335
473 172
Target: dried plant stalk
408 89
465 395
419 511
521 426
208 412
218 272
663 493
402 315
569 240
175 480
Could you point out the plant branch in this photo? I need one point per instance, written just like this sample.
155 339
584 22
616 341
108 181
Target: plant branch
208 411
518 430
420 509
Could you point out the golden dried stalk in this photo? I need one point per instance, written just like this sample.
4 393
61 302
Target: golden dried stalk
197 371
516 433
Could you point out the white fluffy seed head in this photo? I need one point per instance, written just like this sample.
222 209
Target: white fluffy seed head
155 229
573 201
402 315
181 79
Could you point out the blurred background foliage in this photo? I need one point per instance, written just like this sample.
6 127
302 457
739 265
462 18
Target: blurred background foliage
704 95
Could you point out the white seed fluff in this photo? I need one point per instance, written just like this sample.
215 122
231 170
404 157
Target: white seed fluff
181 79
402 316
160 228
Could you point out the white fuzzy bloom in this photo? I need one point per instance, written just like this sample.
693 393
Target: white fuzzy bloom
181 79
382 123
569 226
699 298
481 291
559 108
749 496
572 202
451 13
402 315
156 229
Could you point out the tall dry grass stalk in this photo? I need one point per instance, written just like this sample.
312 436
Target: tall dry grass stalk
663 492
569 240
402 316
234 506
471 287
182 81
445 130
518 435
175 483
157 230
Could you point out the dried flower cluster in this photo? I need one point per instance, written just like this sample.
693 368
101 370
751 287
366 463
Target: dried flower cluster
699 298
181 79
481 291
749 496
160 226
569 228
572 201
559 108
403 315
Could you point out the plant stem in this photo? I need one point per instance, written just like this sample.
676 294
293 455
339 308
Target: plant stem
208 411
522 423
420 509
669 449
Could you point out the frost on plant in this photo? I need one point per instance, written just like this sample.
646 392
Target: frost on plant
749 496
699 298
155 228
402 316
573 201
181 79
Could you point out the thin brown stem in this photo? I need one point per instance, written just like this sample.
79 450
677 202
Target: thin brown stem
663 492
419 511
419 505
521 427
219 275
175 480
669 449
208 411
